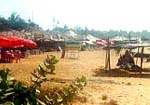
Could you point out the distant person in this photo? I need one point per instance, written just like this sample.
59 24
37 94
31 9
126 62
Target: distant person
17 55
126 60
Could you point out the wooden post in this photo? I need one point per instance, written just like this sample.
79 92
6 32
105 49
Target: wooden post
107 59
109 55
137 57
142 50
63 51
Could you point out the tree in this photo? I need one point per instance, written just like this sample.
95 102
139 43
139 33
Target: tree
86 31
31 24
65 28
16 22
4 24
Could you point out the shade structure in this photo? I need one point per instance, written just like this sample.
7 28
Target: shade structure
4 41
29 43
21 42
104 42
16 42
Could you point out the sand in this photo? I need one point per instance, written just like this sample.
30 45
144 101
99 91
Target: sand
120 89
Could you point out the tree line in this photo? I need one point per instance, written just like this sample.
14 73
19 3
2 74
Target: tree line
103 34
15 22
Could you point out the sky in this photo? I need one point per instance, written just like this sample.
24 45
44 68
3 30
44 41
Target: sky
104 15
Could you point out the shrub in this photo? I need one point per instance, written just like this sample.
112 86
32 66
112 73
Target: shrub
63 96
14 92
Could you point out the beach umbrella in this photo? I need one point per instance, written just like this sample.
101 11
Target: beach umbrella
104 42
101 42
16 42
4 41
30 43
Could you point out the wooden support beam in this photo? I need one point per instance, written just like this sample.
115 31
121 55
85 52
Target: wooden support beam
142 51
137 57
107 59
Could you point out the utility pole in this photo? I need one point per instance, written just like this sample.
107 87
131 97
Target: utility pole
32 16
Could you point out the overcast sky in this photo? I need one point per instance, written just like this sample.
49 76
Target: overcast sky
130 15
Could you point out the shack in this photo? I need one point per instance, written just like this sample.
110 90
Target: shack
72 49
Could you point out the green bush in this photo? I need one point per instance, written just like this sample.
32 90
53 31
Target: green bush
65 95
13 92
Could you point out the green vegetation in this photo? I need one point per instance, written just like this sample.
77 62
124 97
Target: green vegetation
13 92
145 35
50 62
65 95
15 22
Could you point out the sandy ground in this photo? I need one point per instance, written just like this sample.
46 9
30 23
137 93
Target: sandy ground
124 90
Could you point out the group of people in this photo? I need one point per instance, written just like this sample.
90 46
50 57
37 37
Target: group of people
8 56
126 61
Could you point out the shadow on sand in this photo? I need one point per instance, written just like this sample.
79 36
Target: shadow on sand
122 73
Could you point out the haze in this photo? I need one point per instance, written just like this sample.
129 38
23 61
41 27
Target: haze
129 15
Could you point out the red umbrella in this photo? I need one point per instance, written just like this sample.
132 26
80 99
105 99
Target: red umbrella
101 42
104 42
29 43
4 41
16 41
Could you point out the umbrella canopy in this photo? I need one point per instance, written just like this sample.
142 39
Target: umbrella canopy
104 42
21 42
4 41
29 43
16 42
